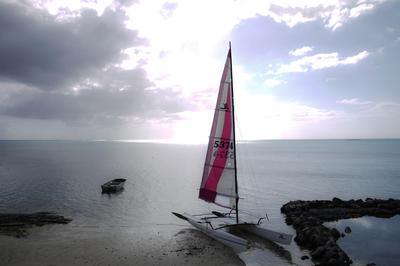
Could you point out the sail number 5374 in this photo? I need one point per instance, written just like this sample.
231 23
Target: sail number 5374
223 144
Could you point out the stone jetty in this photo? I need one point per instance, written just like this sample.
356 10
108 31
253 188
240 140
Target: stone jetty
307 218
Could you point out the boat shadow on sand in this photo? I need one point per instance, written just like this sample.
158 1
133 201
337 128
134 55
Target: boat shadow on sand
263 244
192 242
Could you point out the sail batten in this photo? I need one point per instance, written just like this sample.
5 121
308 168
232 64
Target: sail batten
219 175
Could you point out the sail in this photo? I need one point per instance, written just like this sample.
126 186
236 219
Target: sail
219 176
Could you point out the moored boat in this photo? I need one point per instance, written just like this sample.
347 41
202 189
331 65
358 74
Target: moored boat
113 185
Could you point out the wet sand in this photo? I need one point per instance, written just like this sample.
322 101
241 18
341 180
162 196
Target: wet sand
76 245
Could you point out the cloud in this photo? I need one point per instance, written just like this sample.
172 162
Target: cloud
337 18
301 51
118 96
360 9
38 50
343 13
320 61
384 109
69 71
333 14
155 64
289 17
178 29
263 116
353 101
289 12
271 83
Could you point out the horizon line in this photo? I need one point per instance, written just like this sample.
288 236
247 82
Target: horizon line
177 141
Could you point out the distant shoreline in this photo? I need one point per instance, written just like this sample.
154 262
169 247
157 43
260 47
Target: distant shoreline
200 142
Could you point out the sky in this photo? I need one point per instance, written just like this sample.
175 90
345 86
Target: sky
150 70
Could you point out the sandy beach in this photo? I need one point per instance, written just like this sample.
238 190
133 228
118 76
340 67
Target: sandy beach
73 245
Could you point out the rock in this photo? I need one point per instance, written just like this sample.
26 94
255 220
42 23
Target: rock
337 201
335 233
332 252
14 224
305 257
333 262
318 253
307 218
289 220
347 230
330 243
389 206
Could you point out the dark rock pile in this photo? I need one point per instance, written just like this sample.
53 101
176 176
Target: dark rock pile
15 224
307 218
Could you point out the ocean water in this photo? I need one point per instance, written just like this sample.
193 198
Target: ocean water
371 240
65 177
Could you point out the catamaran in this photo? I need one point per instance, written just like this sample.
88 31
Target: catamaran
219 183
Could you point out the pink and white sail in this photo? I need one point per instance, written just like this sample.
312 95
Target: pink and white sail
219 176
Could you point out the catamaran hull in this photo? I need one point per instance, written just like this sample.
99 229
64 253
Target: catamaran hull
227 221
257 229
236 243
275 236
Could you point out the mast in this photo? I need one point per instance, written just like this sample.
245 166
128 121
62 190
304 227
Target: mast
234 137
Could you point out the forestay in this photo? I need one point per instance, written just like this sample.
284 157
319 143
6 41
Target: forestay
219 176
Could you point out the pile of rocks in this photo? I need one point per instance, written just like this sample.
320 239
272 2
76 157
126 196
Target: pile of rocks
307 218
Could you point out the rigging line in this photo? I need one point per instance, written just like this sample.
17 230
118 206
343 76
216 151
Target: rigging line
250 214
247 165
234 133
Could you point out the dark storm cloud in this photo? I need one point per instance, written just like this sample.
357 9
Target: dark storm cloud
117 96
39 50
64 70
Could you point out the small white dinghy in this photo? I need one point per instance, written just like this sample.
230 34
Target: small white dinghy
219 182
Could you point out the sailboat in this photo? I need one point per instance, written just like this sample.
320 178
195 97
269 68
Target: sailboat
219 182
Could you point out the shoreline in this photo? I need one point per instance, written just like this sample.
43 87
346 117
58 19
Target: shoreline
16 224
69 244
23 238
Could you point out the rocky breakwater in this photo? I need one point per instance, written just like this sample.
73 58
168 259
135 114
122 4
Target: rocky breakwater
307 218
16 224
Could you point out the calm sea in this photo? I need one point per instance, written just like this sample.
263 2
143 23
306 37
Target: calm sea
65 176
